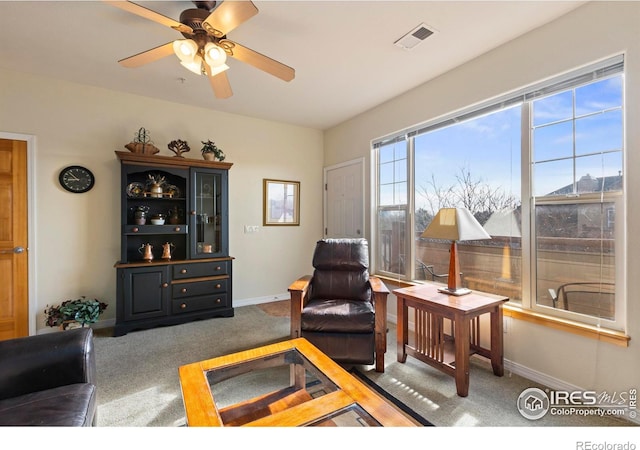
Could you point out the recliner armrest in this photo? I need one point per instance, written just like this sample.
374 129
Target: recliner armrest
298 291
378 286
45 361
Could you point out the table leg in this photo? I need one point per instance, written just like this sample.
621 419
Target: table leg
402 329
461 337
497 349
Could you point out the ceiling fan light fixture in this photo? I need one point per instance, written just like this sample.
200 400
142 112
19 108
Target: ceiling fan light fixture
214 55
185 49
218 69
194 66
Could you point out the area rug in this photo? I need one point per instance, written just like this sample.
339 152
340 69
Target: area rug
401 406
276 309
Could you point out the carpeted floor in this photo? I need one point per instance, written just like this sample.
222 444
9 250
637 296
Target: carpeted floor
281 308
138 381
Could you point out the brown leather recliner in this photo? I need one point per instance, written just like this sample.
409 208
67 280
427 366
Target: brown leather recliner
341 309
48 380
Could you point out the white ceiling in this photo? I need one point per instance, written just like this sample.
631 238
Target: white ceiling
342 51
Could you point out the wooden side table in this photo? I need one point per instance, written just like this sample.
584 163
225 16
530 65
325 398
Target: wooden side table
449 349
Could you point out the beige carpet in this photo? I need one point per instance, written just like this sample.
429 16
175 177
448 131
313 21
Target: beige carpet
276 309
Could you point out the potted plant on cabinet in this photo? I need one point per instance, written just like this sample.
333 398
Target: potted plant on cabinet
211 152
81 312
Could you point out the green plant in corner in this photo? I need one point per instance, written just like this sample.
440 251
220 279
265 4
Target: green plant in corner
83 311
210 147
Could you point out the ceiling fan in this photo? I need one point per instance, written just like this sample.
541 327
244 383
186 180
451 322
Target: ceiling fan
205 48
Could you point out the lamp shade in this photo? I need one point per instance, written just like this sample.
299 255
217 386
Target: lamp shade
503 223
455 224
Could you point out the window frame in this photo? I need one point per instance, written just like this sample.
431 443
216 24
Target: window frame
591 73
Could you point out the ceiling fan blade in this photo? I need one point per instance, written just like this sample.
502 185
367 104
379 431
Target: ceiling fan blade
219 83
262 62
228 16
148 56
151 15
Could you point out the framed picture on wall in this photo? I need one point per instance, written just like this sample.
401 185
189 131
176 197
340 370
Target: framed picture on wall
281 202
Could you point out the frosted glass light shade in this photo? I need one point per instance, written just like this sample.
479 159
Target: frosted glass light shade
185 49
214 55
194 66
218 69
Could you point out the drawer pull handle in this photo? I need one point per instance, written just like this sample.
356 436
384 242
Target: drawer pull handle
218 286
165 285
183 305
183 271
193 213
218 300
183 290
135 229
218 268
176 229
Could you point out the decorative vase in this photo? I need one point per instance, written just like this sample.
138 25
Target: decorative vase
156 190
174 216
140 215
209 156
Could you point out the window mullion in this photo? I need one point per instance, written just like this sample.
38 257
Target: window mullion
410 268
527 222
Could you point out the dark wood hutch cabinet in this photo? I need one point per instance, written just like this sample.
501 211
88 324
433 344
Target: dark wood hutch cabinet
180 270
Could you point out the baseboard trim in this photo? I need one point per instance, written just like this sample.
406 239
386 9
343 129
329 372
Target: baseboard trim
539 377
260 300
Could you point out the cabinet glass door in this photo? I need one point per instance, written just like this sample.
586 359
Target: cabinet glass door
209 213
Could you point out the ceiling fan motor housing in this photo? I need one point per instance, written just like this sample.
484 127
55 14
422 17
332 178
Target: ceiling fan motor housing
193 18
205 5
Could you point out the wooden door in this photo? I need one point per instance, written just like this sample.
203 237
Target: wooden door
344 201
14 282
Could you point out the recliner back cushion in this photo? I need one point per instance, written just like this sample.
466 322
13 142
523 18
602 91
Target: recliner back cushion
341 270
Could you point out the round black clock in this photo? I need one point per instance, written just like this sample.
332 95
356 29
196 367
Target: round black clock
76 179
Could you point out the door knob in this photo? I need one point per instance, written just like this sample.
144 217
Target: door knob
13 250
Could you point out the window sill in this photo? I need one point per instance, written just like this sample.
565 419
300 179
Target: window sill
589 331
581 329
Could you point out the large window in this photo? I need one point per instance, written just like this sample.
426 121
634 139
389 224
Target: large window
542 171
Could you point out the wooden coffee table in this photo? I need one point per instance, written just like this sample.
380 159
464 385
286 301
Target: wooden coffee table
289 383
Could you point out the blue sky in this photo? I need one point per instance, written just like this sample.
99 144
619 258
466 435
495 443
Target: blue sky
489 146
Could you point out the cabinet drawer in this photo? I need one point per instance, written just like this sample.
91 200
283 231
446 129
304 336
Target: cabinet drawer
191 304
181 290
205 269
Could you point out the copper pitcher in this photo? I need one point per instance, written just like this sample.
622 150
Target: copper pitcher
145 250
166 250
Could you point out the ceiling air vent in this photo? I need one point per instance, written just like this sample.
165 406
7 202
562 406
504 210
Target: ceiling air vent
414 37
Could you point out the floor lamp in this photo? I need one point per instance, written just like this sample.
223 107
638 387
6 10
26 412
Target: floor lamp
455 224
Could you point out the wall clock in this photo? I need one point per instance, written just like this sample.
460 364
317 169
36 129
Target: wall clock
76 179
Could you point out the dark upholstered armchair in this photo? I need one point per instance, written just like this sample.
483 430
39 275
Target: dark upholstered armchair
341 309
48 380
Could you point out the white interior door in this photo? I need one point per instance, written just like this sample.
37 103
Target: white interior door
344 200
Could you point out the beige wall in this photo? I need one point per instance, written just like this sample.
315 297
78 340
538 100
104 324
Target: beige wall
590 33
77 237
